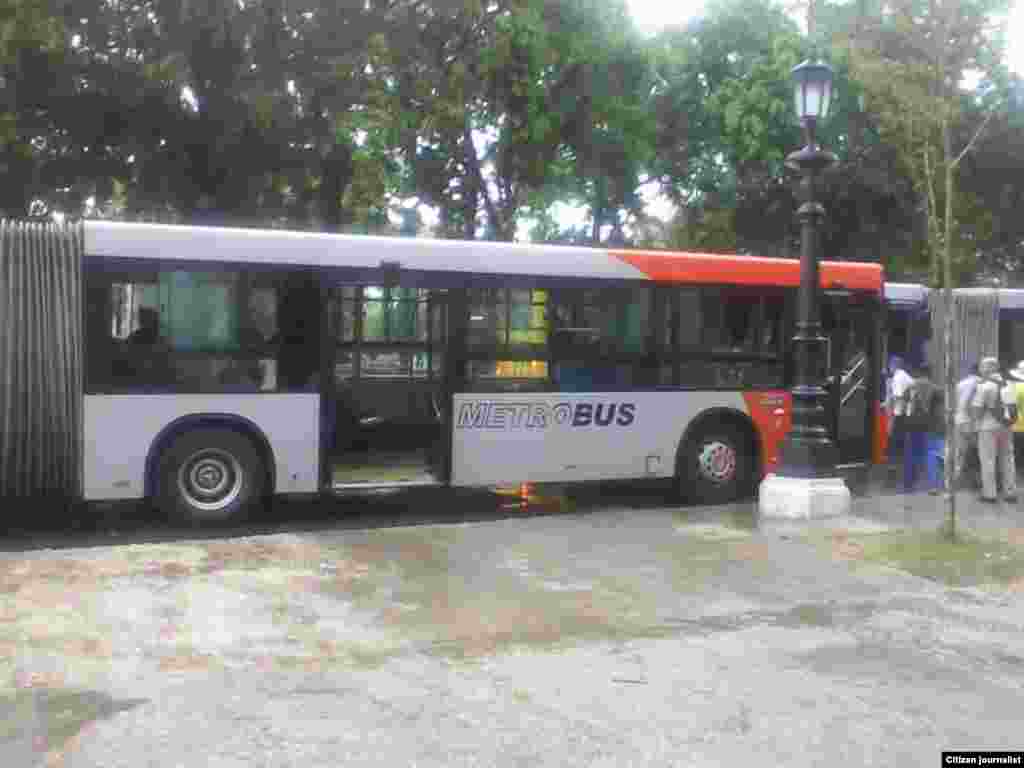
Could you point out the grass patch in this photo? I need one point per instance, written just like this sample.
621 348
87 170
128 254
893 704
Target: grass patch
370 658
810 615
743 517
52 717
701 558
963 562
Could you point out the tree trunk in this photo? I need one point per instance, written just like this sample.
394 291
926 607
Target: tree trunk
951 374
469 207
336 175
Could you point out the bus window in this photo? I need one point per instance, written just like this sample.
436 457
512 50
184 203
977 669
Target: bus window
486 316
614 321
729 321
199 310
394 314
690 320
184 331
773 309
741 323
342 313
508 318
508 375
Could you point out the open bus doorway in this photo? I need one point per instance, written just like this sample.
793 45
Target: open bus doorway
386 402
853 347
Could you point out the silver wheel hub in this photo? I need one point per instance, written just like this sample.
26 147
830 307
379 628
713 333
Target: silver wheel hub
717 462
210 479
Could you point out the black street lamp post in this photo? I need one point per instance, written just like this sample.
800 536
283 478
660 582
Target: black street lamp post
809 451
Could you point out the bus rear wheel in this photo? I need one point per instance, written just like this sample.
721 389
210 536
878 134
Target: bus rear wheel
210 476
716 466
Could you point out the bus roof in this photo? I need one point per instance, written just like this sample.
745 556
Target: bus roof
906 293
326 250
917 294
1008 298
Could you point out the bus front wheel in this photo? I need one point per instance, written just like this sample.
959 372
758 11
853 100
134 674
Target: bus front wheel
716 466
210 476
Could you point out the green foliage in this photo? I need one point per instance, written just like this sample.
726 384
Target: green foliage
333 114
710 230
907 63
755 109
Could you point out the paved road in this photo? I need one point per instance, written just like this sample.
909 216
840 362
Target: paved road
596 635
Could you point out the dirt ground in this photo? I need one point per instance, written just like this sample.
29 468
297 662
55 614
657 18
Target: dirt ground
612 635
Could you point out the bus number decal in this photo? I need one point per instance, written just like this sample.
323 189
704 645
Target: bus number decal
486 414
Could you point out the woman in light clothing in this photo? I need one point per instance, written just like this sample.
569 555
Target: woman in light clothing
966 429
994 443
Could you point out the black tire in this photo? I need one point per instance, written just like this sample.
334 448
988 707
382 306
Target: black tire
230 465
716 466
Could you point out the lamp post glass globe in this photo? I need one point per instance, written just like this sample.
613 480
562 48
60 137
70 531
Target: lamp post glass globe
812 90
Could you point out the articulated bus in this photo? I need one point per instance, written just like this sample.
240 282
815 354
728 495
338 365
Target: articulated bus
223 366
909 322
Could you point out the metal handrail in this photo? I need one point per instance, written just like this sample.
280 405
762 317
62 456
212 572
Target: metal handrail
861 360
850 392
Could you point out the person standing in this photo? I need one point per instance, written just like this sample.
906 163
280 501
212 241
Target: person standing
918 422
1009 416
995 447
1017 374
966 429
898 383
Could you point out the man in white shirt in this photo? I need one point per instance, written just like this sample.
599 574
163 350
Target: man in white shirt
897 400
966 429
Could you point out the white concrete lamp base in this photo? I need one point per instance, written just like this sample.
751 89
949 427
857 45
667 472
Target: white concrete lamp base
803 498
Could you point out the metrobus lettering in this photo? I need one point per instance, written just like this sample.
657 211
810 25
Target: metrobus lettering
472 415
484 414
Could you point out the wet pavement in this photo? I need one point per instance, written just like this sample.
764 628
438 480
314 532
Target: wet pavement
590 631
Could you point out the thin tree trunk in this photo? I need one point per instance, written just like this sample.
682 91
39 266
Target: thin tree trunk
947 263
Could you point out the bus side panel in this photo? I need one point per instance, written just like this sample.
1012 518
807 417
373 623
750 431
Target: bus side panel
772 414
549 437
119 431
881 436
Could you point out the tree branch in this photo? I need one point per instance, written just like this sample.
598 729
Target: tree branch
974 138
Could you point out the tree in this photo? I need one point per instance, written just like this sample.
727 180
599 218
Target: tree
725 77
912 63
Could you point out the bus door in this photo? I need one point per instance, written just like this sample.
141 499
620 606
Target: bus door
847 324
386 403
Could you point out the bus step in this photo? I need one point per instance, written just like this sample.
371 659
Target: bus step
382 486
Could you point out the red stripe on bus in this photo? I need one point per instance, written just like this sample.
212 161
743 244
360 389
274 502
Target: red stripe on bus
770 412
747 270
881 442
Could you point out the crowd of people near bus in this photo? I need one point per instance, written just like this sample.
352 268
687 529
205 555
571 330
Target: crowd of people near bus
988 418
